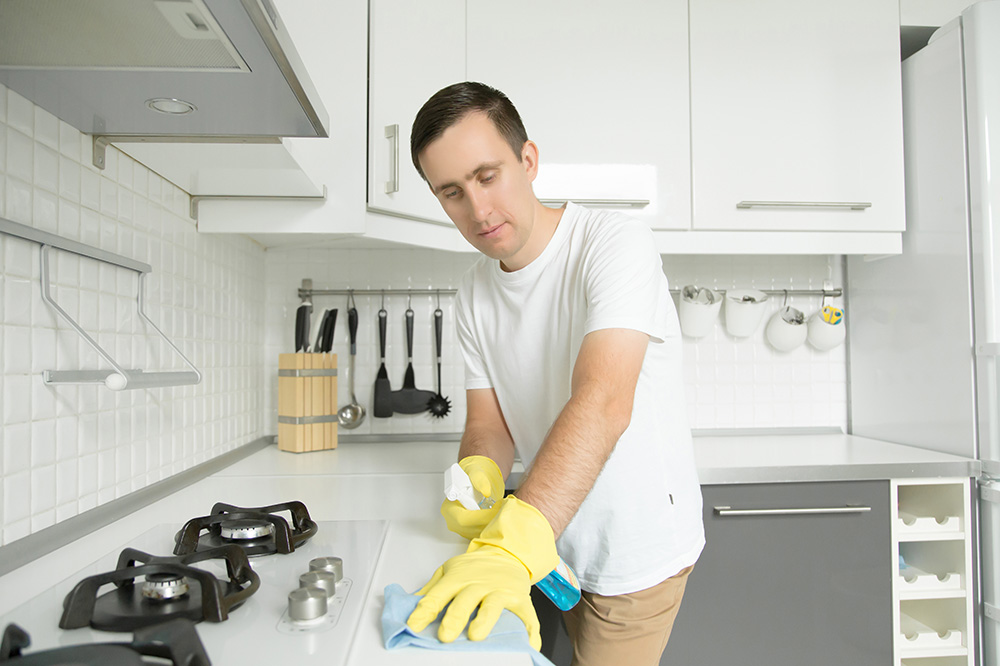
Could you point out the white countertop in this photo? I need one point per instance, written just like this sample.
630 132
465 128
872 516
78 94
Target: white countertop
401 482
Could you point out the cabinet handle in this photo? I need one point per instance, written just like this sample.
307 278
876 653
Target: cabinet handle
599 203
392 133
729 511
852 205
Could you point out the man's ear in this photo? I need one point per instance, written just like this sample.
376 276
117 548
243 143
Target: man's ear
529 159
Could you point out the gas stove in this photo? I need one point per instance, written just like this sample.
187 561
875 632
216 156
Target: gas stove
293 593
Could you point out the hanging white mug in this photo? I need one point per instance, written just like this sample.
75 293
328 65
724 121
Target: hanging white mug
744 310
787 329
698 310
826 328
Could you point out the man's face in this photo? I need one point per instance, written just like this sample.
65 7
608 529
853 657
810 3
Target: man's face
484 188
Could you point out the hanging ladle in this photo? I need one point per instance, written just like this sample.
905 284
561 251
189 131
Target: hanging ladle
351 415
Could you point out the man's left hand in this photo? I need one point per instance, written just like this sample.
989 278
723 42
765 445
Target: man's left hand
514 551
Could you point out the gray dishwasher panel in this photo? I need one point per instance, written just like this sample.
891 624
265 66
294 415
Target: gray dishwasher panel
790 590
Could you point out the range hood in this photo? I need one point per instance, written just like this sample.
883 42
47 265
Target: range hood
172 70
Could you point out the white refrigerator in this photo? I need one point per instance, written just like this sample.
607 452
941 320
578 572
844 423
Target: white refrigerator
924 328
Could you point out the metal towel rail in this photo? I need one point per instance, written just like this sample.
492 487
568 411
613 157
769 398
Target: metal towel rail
118 378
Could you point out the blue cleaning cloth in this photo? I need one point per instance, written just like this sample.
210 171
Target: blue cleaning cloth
509 634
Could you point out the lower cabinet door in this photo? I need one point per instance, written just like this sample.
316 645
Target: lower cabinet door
792 574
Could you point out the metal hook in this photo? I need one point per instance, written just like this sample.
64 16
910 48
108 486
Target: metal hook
785 302
409 299
350 299
438 292
383 299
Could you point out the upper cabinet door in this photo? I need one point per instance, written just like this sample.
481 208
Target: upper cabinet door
602 89
796 115
415 49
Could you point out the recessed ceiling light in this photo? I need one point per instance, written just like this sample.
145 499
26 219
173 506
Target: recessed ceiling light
174 107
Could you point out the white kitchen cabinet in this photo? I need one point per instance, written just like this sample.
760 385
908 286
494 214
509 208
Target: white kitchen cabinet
414 51
932 589
796 101
602 89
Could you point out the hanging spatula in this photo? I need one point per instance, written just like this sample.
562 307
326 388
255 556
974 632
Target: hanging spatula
382 403
410 399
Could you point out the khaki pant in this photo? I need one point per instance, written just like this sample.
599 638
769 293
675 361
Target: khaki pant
626 629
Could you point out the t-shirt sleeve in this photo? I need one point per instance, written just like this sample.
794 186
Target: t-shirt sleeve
476 376
626 286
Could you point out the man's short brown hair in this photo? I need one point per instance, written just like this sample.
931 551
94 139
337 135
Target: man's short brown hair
449 105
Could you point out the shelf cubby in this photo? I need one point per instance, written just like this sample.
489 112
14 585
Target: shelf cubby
932 591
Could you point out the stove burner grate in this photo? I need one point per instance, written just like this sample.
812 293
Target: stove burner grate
162 596
176 641
258 531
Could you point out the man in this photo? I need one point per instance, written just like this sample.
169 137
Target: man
573 357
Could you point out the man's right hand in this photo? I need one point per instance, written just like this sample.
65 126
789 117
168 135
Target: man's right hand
488 480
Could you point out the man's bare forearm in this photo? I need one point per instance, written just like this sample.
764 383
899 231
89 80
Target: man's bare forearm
588 427
481 441
574 452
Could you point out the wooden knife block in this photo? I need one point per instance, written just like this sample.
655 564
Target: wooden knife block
307 402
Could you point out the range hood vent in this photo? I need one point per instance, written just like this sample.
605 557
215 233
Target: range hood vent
106 66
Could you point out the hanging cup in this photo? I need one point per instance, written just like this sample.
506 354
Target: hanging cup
744 310
787 329
698 310
826 328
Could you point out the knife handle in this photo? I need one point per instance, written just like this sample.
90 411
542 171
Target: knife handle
352 327
409 333
382 316
300 323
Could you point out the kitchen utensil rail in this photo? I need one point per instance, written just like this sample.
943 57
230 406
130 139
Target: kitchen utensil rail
306 292
825 293
119 378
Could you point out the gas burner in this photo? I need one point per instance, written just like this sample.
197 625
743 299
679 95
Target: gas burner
257 531
165 586
176 641
170 588
246 529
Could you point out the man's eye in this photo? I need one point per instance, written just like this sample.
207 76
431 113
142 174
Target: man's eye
489 179
450 194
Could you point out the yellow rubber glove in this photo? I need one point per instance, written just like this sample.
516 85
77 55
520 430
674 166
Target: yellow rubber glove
487 479
516 550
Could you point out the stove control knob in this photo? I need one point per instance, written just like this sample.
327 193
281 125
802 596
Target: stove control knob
306 603
324 580
334 565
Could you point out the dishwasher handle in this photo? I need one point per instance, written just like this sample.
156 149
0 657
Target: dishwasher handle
728 511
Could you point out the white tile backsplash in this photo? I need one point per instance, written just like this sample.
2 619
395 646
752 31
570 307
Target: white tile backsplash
66 449
731 383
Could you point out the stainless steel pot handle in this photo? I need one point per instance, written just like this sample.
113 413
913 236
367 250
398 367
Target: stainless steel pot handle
729 511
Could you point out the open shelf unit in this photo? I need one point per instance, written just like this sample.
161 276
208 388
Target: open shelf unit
932 591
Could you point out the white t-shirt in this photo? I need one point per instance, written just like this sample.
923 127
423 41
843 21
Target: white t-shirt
520 333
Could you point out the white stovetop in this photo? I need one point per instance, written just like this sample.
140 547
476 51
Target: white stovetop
402 483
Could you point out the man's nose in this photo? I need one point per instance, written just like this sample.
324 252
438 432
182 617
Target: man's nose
479 204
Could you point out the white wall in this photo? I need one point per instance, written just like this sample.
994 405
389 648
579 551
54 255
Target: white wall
731 383
68 449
